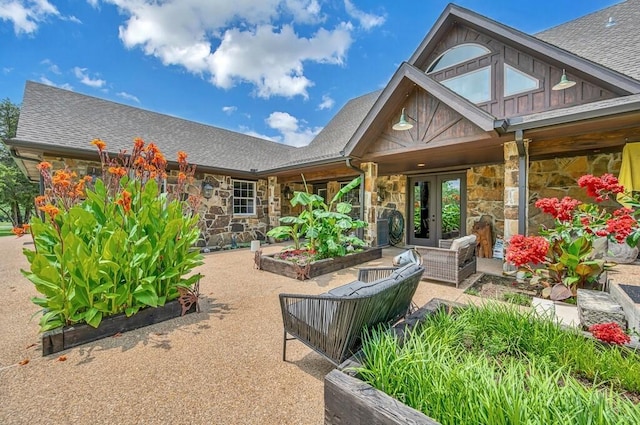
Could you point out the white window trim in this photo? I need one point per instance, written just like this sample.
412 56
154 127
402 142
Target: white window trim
233 200
504 76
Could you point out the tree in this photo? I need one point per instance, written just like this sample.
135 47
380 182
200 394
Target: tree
16 191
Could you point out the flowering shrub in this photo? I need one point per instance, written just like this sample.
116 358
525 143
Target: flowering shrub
566 250
118 246
610 332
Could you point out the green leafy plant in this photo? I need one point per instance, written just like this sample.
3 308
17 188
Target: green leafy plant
119 246
517 298
495 365
325 228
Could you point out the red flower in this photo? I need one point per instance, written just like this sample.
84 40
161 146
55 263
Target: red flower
527 249
609 332
560 210
622 224
600 187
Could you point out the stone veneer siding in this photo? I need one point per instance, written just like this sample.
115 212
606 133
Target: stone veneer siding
220 223
485 191
557 178
392 195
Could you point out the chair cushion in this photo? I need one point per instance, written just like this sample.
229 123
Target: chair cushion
348 289
462 242
405 271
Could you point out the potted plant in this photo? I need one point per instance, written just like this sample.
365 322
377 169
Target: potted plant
562 257
116 245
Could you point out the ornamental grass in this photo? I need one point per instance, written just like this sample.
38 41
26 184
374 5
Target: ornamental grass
495 365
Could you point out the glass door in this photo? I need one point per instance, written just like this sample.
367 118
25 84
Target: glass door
438 204
422 223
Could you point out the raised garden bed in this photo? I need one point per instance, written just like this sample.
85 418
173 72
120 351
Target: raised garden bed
316 268
71 336
348 399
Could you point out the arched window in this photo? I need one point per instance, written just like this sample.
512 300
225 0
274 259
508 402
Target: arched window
456 55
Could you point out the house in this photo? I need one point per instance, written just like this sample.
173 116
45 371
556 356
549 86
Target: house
482 118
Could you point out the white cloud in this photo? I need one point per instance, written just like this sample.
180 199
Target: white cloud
128 96
26 14
229 109
252 133
82 75
367 20
236 42
72 19
48 82
327 102
6 70
292 133
52 66
93 3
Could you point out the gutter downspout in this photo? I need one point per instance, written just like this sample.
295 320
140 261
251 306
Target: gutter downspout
523 202
360 232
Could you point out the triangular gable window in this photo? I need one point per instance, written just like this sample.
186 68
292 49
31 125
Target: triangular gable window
516 81
456 55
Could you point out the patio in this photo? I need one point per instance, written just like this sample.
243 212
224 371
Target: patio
220 366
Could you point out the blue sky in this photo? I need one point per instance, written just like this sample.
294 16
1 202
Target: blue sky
277 69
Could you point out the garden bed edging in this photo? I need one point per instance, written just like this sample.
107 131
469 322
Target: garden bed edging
60 339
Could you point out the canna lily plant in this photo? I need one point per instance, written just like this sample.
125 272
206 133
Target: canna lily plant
114 245
561 258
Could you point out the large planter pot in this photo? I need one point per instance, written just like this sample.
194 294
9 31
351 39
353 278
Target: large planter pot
71 336
316 268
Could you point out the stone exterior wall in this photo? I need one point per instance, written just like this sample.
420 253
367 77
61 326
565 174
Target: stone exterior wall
485 191
392 195
558 178
221 226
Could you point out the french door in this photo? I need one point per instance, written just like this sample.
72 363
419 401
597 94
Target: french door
437 205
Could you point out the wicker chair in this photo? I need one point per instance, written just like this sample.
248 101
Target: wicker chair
332 323
450 263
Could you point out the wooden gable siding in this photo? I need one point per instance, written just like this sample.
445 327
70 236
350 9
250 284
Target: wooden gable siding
539 100
435 125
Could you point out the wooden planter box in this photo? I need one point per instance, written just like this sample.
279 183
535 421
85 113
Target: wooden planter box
71 336
349 400
320 267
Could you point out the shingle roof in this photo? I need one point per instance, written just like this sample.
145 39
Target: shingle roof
53 116
616 47
329 143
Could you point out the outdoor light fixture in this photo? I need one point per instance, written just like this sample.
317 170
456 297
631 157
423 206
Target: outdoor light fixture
207 188
403 124
564 83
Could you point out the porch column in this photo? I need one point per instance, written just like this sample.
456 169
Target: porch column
370 201
275 197
516 190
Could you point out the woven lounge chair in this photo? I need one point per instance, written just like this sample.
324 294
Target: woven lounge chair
332 323
453 261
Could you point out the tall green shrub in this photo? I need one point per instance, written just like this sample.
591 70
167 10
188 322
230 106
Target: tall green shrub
118 247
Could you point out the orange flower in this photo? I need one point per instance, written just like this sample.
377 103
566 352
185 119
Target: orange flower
125 201
87 179
182 157
18 231
44 165
50 210
26 227
41 200
62 178
99 144
117 171
138 144
181 177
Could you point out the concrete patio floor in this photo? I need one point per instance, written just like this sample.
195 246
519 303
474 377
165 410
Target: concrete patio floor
221 366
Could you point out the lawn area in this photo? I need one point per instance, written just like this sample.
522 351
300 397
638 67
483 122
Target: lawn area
495 365
5 229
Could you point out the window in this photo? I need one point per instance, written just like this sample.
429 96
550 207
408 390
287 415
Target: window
475 85
456 55
244 197
517 81
353 198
